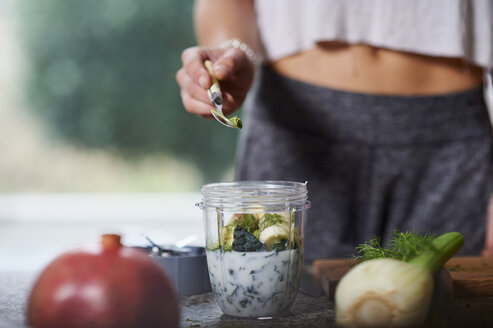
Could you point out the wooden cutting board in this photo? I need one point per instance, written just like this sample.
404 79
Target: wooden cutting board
472 276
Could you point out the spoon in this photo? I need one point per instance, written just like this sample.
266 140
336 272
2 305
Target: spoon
216 99
159 250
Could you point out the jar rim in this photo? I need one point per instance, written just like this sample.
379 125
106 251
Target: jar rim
249 194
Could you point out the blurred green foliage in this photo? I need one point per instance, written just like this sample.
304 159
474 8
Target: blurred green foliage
102 74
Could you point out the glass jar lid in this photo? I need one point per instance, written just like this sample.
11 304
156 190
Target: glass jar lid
271 195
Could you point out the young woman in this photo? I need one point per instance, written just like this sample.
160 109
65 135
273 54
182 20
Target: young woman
377 104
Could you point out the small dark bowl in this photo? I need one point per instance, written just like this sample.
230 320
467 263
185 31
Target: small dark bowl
187 271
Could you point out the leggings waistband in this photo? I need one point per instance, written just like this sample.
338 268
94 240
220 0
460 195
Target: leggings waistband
375 119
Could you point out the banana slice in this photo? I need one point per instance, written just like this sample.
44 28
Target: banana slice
258 215
258 211
273 234
235 217
270 227
286 216
228 235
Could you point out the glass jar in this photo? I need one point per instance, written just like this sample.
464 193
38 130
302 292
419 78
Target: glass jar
254 240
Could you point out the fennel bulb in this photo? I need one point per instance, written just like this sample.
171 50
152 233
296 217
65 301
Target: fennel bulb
392 293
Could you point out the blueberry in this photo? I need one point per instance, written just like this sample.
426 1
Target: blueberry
244 241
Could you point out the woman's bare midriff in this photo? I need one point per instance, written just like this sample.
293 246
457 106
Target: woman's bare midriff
366 69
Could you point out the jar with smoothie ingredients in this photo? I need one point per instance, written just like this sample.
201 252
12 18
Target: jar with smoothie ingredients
254 243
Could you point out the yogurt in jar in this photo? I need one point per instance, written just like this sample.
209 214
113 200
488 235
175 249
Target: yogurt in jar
255 284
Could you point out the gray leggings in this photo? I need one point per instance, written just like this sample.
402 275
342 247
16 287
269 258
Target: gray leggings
373 162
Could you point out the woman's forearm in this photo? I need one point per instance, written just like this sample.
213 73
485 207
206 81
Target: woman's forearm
217 21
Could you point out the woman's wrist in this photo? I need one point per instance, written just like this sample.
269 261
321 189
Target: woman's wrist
247 50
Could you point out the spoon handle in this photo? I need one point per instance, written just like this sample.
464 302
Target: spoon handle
216 98
215 82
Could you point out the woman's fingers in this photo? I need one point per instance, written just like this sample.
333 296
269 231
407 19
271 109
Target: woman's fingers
203 107
191 87
195 98
195 106
193 63
231 66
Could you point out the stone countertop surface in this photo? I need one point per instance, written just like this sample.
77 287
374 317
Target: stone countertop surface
203 311
196 311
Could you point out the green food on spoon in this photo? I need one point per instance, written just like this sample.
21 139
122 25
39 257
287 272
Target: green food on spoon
236 121
233 122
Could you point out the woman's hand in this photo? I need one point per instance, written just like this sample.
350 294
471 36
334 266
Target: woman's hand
231 66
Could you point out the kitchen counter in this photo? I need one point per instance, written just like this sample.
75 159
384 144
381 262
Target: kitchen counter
202 310
196 311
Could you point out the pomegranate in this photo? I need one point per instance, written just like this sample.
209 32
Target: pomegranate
107 286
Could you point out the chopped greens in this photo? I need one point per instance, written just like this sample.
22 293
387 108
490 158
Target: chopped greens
270 219
236 121
233 122
404 246
247 222
281 245
247 232
227 247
